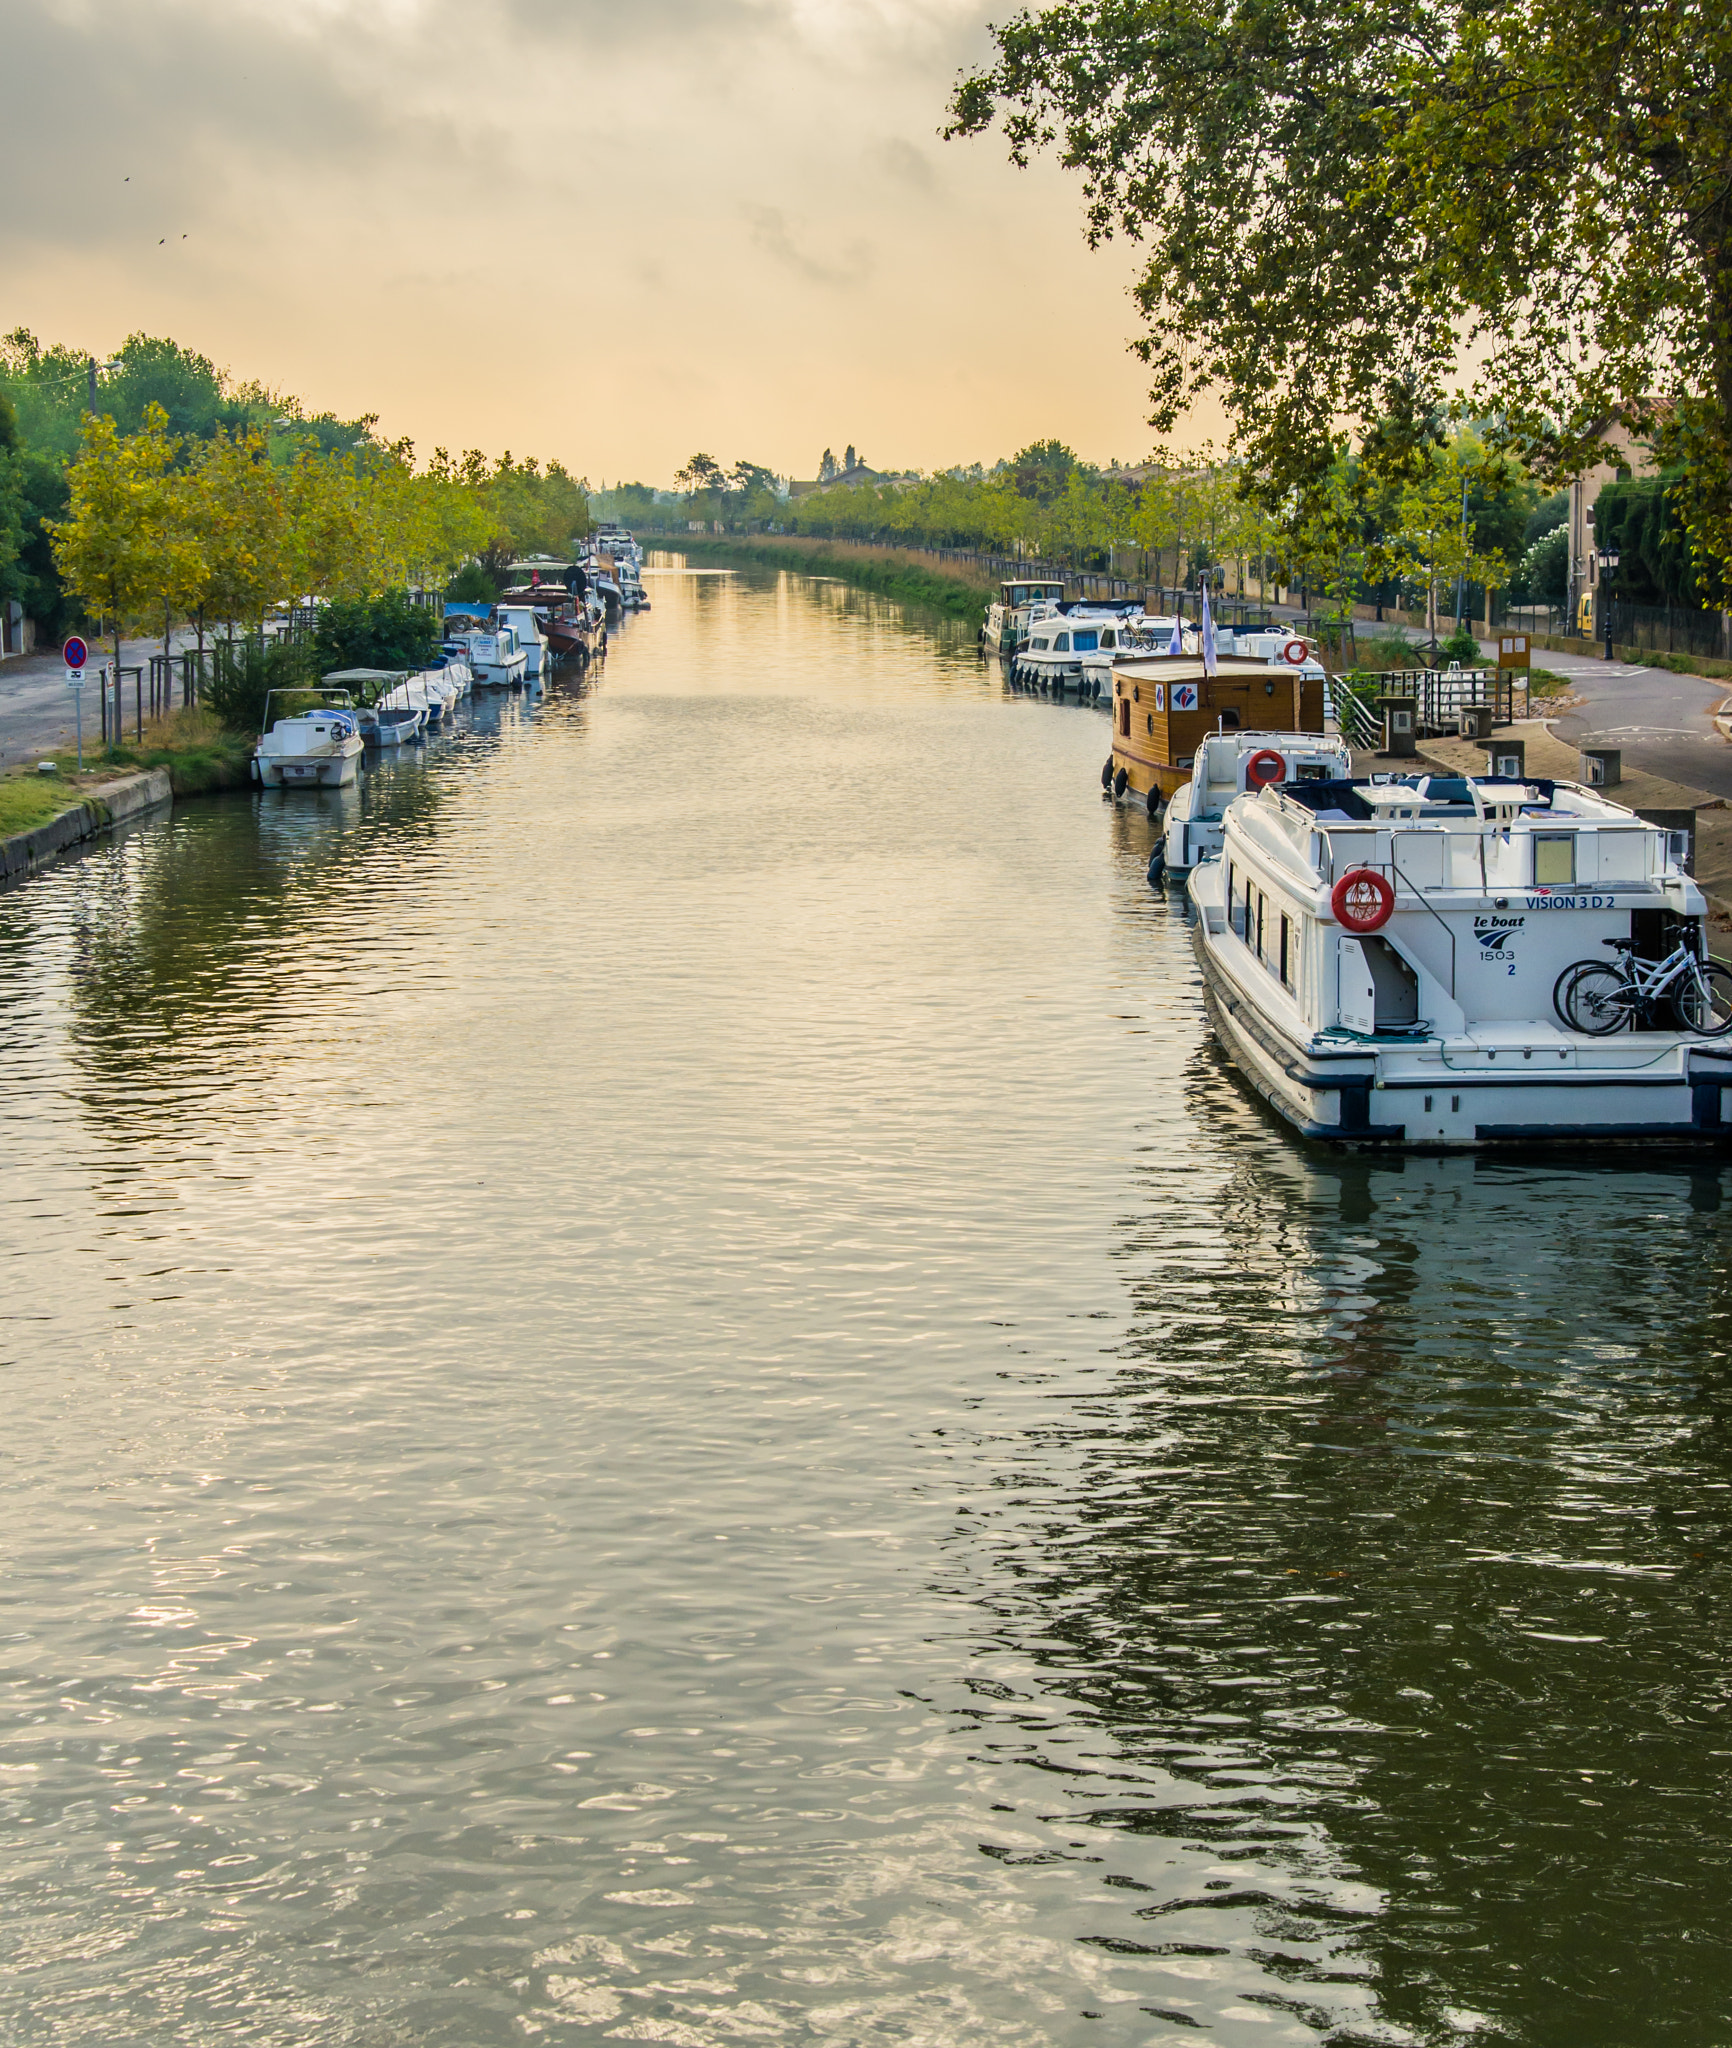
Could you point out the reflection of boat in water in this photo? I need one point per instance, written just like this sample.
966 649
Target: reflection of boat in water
1391 963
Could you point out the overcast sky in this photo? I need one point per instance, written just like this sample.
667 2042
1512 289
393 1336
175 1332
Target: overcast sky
612 233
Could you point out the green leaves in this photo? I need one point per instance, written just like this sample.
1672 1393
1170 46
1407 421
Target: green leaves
1354 209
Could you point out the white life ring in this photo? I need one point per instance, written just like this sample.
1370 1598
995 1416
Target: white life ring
1295 652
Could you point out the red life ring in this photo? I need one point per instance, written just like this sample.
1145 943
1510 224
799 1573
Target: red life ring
1264 767
1295 652
1362 900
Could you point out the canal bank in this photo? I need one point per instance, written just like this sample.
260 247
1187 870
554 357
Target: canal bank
899 573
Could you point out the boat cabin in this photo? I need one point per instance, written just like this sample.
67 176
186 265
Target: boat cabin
1165 706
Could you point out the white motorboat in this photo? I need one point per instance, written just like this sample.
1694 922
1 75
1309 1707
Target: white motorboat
1228 765
1402 963
1062 643
309 749
630 580
495 659
537 654
1007 617
384 719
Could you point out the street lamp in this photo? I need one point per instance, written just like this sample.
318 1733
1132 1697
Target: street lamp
1608 558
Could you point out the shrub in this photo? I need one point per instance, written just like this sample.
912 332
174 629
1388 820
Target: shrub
472 585
1460 646
245 673
375 632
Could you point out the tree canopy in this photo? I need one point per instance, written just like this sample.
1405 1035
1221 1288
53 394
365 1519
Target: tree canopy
1355 208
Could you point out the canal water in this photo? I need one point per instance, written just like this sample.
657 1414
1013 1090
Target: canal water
657 1389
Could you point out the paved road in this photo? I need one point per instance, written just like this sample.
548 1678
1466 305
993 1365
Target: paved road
1664 723
36 713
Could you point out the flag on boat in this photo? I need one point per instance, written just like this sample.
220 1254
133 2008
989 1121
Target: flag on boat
1176 645
1208 635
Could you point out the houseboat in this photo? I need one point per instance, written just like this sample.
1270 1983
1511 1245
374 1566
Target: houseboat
1228 765
1006 625
1165 706
1400 963
1074 647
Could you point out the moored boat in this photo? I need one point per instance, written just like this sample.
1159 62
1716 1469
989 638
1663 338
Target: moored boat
1436 962
1165 706
1007 617
312 748
1227 765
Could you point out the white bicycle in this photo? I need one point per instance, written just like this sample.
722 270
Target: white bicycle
1597 998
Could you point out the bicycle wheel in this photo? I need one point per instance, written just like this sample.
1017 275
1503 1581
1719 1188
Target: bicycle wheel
1705 1009
1597 1000
1560 987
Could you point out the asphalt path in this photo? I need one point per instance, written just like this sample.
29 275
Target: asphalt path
1664 723
36 708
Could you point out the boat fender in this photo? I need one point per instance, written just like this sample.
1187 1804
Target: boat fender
1362 900
1264 767
1154 805
1157 867
1119 782
1107 773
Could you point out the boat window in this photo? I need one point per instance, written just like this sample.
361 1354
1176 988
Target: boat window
1085 643
1151 718
1554 858
1062 644
1109 638
1262 905
1042 645
1124 718
1286 951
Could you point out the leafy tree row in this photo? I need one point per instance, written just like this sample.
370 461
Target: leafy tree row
1358 213
313 503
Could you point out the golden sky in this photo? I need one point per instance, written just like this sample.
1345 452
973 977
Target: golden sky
612 233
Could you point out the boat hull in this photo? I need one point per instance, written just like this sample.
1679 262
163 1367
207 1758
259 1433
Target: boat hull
335 771
1381 1099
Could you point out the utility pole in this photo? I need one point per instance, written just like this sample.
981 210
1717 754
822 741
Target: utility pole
1461 572
90 370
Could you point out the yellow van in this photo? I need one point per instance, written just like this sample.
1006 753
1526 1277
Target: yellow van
1585 615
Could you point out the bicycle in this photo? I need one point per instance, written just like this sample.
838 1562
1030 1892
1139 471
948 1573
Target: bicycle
1598 999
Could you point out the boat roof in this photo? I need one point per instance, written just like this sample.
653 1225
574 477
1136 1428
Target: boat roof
1162 668
368 675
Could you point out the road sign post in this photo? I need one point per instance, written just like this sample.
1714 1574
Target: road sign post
77 654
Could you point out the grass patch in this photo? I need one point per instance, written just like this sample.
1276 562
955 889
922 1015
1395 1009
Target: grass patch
193 745
1546 682
27 801
1679 664
892 572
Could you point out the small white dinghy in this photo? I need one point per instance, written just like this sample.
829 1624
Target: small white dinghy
320 748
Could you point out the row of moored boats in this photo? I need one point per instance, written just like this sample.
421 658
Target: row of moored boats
1399 958
561 614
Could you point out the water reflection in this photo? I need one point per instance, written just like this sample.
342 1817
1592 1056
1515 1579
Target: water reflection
1392 1572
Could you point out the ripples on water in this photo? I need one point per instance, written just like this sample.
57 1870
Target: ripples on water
658 1390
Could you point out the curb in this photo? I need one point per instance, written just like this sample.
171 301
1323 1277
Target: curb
98 811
